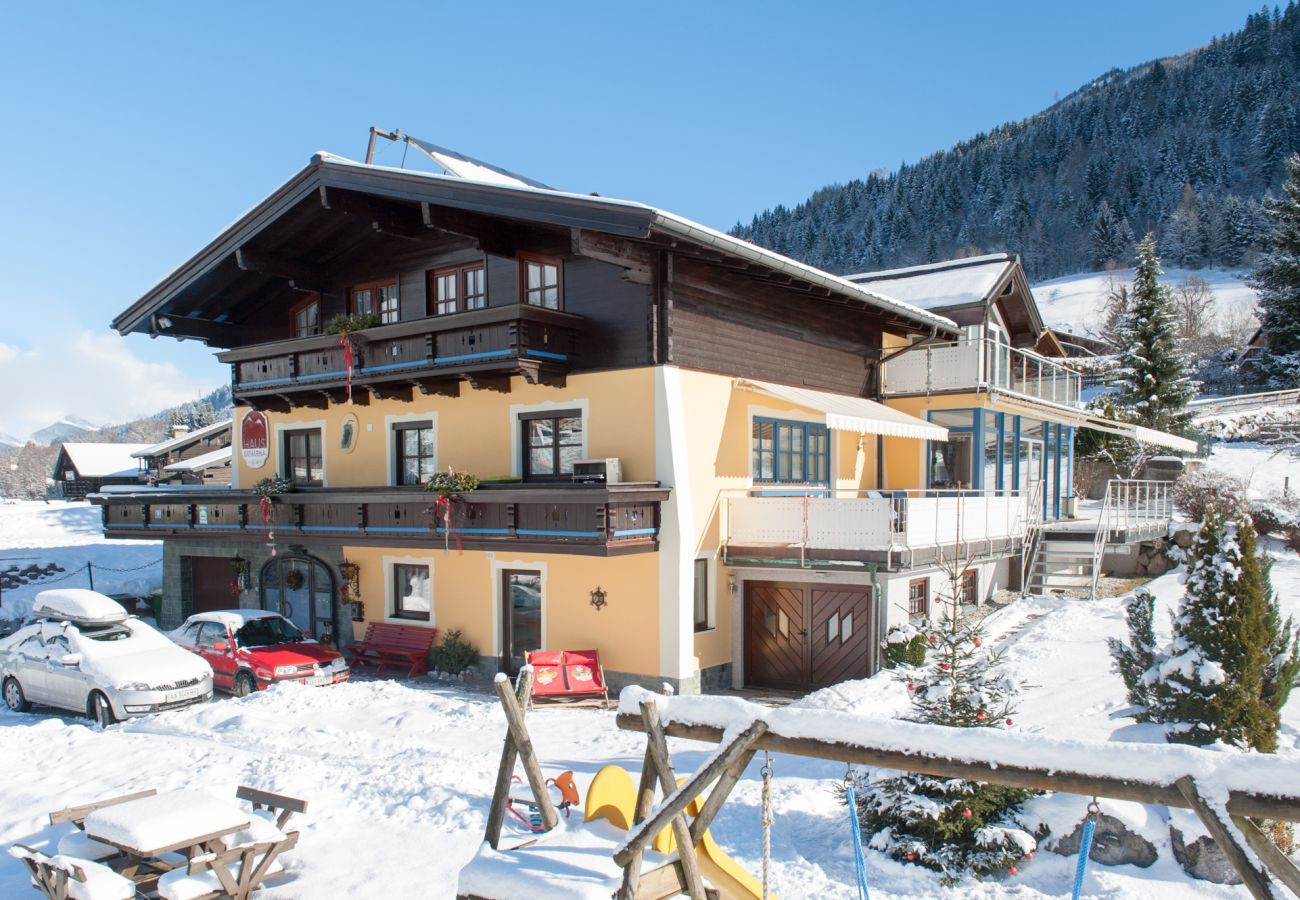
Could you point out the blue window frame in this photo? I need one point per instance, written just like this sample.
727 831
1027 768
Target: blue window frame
788 452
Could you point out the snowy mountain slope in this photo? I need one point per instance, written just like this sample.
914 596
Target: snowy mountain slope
1073 303
9 441
64 428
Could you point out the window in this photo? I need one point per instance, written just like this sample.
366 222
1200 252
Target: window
541 279
416 452
210 634
791 451
305 318
412 592
458 288
378 298
970 584
918 597
951 461
703 615
552 443
302 457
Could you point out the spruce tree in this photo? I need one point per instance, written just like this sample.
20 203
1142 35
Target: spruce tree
1231 661
1277 278
1133 660
952 826
1154 388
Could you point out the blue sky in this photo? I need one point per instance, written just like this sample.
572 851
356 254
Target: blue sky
133 133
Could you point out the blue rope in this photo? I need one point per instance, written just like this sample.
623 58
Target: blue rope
1085 846
858 858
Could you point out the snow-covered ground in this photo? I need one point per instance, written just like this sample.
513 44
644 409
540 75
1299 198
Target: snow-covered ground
399 774
71 534
1073 303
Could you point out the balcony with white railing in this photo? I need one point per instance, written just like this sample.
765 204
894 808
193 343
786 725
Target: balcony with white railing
873 526
980 364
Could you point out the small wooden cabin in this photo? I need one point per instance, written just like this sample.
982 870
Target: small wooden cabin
84 468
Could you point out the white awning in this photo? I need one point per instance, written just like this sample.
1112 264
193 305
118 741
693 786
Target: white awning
210 460
1064 415
856 414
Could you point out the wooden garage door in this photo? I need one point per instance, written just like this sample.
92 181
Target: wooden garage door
805 636
210 578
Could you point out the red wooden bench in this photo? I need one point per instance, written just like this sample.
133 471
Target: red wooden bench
567 676
393 644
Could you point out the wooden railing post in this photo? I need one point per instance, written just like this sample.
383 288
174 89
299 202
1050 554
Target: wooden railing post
517 744
1256 881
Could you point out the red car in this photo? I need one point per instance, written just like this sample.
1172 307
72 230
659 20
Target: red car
251 649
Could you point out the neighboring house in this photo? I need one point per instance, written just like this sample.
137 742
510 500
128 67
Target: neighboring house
201 456
1255 348
762 520
83 468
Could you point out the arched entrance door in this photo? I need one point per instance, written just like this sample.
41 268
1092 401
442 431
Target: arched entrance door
302 590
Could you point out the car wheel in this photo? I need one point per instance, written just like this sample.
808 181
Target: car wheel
244 684
15 699
100 710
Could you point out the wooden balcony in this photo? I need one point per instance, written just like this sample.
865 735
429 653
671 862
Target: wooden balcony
430 355
592 520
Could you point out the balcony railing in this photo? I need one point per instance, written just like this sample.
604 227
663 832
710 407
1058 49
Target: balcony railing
585 519
430 354
890 526
980 364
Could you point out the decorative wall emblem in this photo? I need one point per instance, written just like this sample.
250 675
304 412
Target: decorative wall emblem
254 440
349 432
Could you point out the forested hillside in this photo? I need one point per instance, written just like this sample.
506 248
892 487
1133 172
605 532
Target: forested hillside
1185 146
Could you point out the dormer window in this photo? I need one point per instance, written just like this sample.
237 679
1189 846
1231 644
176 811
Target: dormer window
541 281
377 298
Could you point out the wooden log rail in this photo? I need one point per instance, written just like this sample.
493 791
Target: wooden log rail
985 755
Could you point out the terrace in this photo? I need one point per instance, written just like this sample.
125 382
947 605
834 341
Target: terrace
979 364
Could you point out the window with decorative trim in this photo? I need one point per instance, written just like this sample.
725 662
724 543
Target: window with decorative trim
918 598
415 446
793 452
377 298
542 282
458 288
303 460
552 443
304 319
412 592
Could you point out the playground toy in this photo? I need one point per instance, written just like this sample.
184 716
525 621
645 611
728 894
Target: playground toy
568 676
563 791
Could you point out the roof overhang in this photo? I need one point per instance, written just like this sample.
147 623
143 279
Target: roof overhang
1064 415
220 457
855 414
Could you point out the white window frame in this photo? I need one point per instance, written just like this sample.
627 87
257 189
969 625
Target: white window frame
390 583
390 445
280 428
582 405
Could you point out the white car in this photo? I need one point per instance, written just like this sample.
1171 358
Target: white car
87 655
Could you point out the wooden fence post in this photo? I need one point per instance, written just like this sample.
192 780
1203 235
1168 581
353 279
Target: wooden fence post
509 753
1256 881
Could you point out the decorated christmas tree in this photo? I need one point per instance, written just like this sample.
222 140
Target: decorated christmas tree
950 825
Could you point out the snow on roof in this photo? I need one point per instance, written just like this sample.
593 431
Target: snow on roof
103 460
693 231
198 463
181 440
231 618
78 605
959 282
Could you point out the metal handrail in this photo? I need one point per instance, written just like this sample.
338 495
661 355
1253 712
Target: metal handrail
1099 539
1033 534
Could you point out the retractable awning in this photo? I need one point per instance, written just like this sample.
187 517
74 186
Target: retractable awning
856 414
198 463
1064 415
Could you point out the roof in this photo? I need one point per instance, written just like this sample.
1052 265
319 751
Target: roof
231 618
942 285
181 440
104 460
220 456
509 200
856 414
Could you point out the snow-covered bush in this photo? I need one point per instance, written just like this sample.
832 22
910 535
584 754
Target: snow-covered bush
1133 660
904 646
1275 514
1197 490
454 655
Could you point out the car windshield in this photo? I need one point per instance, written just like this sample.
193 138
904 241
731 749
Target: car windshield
266 631
111 633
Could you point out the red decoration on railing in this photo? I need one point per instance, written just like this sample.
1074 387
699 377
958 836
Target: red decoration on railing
347 358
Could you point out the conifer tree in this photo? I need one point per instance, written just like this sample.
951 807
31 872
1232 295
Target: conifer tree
1154 388
1134 659
1277 278
1231 662
949 825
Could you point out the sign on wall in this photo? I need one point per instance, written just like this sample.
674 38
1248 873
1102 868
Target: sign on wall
254 442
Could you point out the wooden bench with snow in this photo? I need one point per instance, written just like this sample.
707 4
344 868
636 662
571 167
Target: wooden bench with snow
571 677
393 644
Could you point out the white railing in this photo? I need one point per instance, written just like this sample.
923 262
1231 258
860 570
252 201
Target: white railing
875 520
1033 537
980 363
1135 505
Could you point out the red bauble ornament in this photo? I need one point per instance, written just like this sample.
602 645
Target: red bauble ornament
1029 855
966 813
978 642
911 857
1009 722
910 686
1011 871
943 666
980 717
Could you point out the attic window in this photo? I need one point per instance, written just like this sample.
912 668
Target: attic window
304 319
541 281
378 298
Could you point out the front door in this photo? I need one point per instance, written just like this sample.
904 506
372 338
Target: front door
801 637
521 616
301 589
210 578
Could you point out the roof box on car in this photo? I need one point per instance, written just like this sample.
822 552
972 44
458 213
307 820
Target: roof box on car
79 606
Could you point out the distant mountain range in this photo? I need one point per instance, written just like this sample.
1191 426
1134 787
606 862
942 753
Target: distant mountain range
61 430
1184 146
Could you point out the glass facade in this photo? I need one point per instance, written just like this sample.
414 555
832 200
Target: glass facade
1000 451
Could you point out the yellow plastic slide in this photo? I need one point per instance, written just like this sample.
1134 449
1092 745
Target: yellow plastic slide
612 797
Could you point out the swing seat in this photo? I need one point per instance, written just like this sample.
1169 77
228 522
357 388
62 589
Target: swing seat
567 675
